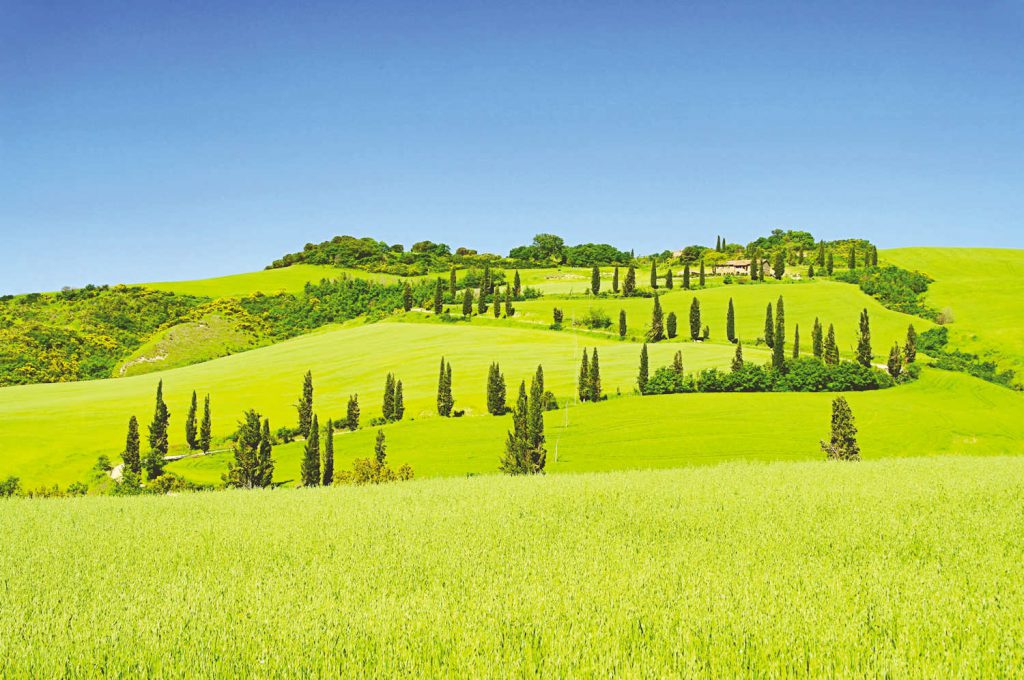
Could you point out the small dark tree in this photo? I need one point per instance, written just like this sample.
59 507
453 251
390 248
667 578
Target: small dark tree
703 276
399 401
779 338
191 428
643 374
821 254
796 342
656 333
686 276
831 348
595 378
629 285
615 281
388 403
895 363
131 456
864 353
670 325
910 348
452 285
695 330
509 309
817 341
595 280
310 471
779 268
352 417
669 281
380 448
328 474
677 362
487 283
406 296
467 302
206 427
769 327
810 271
496 391
853 257
496 305
842 444
737 359
583 382
557 316
622 323
654 274
730 323
517 285
305 405
481 301
438 296
755 265
830 264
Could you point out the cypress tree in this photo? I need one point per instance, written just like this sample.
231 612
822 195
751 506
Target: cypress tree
445 401
796 342
654 274
686 276
677 362
669 282
452 285
264 461
517 285
642 375
864 354
629 285
496 391
622 323
399 401
158 442
737 359
537 454
817 343
352 413
769 328
853 257
438 296
310 471
821 254
467 302
830 265
895 363
497 304
388 403
810 271
703 279
305 405
670 325
615 281
244 471
780 265
509 310
514 462
730 323
595 378
874 256
595 280
755 265
487 285
910 348
695 319
718 244
328 474
583 382
778 349
556 317
205 427
131 457
380 449
831 348
656 333
481 300
406 296
842 444
191 431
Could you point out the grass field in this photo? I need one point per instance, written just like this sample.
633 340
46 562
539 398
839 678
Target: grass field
982 287
899 568
285 280
188 343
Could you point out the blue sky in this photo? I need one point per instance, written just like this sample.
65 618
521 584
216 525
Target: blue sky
150 141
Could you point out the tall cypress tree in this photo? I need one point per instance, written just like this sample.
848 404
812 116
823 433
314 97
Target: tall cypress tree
779 269
703 279
669 282
583 382
778 349
481 300
695 330
406 296
864 353
830 265
496 391
895 363
595 378
352 413
737 359
310 471
718 244
264 461
654 274
388 403
656 333
842 444
328 474
817 342
445 401
670 325
467 302
206 427
305 405
755 265
629 285
497 304
910 347
380 448
595 280
852 264
517 285
622 323
730 323
769 328
244 470
810 271
796 342
438 296
399 401
686 276
191 430
615 281
831 348
537 454
514 461
509 309
487 284
131 456
452 285
158 441
821 254
643 373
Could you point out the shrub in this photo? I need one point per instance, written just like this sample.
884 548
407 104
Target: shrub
596 319
667 381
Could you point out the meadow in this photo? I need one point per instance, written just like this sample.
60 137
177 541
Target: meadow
895 568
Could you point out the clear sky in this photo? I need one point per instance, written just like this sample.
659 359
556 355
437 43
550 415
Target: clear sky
149 141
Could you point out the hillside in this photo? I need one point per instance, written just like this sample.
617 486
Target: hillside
881 569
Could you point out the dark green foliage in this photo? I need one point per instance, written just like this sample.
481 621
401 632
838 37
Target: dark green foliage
830 265
399 401
265 463
897 289
669 282
514 461
677 361
654 274
481 301
852 263
131 455
595 280
842 444
615 281
595 318
730 323
453 285
642 375
895 362
206 427
821 254
310 471
718 244
817 340
656 332
467 302
158 441
737 359
779 338
388 403
629 285
755 265
517 285
328 473
439 296
910 347
666 380
10 487
583 382
509 309
695 329
686 276
796 342
380 448
703 275
934 340
810 271
831 348
622 323
557 316
524 447
305 405
352 415
496 308
670 325
406 296
801 375
191 431
445 401
496 391
769 327
779 267
595 378
864 353
487 284
251 466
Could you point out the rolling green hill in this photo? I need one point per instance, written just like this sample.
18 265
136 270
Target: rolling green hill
268 281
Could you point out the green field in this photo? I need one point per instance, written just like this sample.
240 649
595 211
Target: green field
189 343
267 281
909 568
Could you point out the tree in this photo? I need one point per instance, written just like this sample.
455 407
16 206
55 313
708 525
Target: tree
388 403
622 323
654 274
445 402
686 276
496 391
830 264
730 323
629 285
595 280
305 405
191 431
853 257
796 342
514 462
158 441
438 296
328 474
467 302
778 349
695 330
205 427
779 269
310 471
509 310
247 470
615 281
677 362
380 448
452 285
737 359
265 462
810 271
595 378
895 363
831 348
769 328
718 244
550 247
525 453
583 383
703 278
517 285
669 282
656 333
643 374
497 304
481 300
406 296
821 254
556 317
864 354
842 444
486 283
399 401
131 458
817 342
352 417
670 325
910 348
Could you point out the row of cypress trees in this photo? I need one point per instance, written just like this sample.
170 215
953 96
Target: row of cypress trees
589 383
525 451
198 438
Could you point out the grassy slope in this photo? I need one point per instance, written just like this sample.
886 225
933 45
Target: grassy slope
188 343
287 280
877 569
984 290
